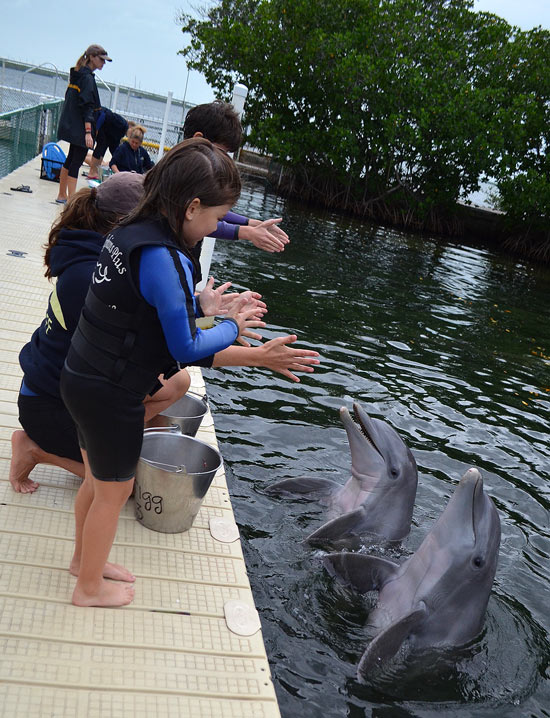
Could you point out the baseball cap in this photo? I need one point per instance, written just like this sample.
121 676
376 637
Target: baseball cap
120 193
98 50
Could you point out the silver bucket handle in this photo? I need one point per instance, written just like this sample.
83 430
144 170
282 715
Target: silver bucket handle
173 429
166 467
176 430
202 397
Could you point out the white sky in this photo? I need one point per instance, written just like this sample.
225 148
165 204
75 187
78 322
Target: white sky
526 14
143 38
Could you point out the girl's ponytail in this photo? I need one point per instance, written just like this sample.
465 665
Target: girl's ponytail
80 212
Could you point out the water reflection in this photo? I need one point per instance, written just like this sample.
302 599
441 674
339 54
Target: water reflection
450 345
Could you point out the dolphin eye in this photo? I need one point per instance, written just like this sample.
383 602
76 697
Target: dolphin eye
394 472
478 562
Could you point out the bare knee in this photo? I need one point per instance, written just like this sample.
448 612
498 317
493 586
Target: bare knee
182 382
115 493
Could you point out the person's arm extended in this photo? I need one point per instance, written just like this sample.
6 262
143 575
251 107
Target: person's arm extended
175 304
234 218
274 354
264 235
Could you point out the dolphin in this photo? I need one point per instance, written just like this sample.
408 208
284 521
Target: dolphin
437 597
378 499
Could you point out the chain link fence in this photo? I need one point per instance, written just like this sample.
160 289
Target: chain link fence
23 133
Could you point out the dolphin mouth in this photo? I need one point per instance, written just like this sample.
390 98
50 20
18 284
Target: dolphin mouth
358 417
478 499
367 457
471 500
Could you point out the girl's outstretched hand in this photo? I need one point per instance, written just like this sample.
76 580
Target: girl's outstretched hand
265 235
247 314
212 300
277 356
250 334
253 299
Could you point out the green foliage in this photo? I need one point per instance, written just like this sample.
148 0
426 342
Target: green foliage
412 102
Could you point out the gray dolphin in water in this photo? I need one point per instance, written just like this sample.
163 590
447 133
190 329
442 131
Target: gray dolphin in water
379 497
438 597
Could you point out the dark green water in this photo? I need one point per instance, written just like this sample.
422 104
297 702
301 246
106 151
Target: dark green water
450 345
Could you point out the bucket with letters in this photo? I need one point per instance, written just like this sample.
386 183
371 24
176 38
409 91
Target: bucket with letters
173 474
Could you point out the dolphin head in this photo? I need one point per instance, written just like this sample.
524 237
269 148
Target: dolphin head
384 474
461 551
378 454
439 595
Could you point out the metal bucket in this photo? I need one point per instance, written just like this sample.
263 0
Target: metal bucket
186 413
173 474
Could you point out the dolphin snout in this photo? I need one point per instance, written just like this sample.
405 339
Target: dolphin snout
472 475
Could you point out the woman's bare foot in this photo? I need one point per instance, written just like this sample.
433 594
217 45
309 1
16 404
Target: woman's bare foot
107 595
25 455
114 571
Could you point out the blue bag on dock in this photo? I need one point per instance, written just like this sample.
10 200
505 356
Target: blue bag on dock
53 158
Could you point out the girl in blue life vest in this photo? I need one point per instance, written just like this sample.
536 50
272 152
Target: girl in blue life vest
138 321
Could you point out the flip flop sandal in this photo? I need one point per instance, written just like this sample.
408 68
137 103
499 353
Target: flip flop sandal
61 201
22 188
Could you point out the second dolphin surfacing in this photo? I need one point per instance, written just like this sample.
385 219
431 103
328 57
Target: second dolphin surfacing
438 597
378 499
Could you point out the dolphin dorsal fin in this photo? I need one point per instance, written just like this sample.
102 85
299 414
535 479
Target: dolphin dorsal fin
362 573
387 643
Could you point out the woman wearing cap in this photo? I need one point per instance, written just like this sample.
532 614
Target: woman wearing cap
74 244
76 124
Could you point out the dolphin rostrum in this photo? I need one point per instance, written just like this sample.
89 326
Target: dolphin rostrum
378 499
437 597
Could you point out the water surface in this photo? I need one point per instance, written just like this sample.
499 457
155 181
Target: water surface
448 343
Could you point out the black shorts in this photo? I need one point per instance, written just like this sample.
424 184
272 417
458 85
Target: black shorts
74 159
49 424
100 146
109 422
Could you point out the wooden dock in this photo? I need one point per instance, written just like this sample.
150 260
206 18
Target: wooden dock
190 644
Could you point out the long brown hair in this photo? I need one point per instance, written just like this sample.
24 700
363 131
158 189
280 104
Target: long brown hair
80 212
193 168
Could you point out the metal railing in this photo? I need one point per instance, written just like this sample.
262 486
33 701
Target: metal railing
24 132
36 67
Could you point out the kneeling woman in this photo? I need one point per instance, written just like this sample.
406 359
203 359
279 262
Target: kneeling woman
138 322
130 156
